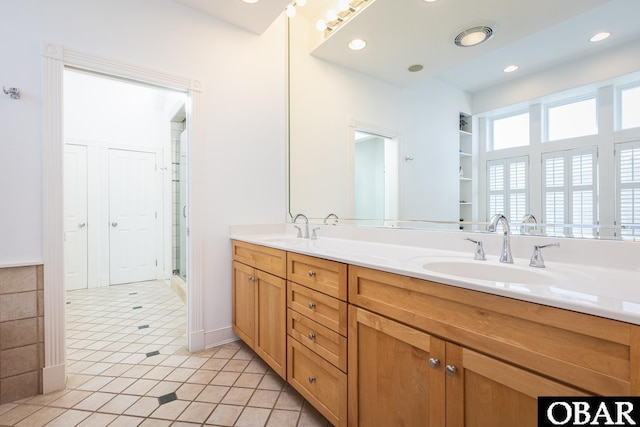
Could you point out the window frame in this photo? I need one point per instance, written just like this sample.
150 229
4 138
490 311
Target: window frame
634 232
572 100
506 191
618 104
493 119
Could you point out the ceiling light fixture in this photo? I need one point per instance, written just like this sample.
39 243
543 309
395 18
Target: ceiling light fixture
511 68
430 1
346 10
416 67
474 36
290 10
251 1
600 36
357 44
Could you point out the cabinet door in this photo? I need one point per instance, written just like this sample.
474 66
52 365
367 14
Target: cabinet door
486 392
244 298
390 379
270 341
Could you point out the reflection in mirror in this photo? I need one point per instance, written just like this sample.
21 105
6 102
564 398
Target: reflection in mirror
413 80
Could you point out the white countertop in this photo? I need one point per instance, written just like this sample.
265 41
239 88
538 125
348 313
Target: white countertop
605 291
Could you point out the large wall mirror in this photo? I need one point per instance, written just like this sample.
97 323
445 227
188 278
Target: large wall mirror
414 130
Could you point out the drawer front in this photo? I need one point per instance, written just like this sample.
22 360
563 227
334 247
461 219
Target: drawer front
589 352
327 311
328 277
321 383
273 261
323 341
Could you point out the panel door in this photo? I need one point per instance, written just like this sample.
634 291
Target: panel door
391 381
244 300
272 321
486 392
75 217
132 216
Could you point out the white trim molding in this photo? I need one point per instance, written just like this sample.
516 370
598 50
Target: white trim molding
55 59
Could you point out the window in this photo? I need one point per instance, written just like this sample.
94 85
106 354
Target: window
628 188
630 107
571 120
569 192
512 131
507 187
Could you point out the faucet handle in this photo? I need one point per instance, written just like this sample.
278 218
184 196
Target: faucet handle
478 254
314 235
536 259
299 236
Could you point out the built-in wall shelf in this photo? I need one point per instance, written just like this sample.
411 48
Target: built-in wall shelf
465 148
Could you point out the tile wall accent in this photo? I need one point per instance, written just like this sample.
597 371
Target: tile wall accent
176 129
21 332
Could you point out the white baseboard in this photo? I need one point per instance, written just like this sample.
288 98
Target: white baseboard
219 337
196 341
54 378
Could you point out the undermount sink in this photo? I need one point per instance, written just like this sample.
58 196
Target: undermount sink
483 270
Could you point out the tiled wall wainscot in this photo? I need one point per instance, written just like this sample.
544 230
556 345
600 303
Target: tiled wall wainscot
21 332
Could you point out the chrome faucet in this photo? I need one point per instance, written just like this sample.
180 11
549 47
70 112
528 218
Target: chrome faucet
536 259
505 255
329 216
306 225
526 228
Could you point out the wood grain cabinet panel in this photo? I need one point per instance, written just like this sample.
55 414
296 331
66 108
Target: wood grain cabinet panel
328 311
328 277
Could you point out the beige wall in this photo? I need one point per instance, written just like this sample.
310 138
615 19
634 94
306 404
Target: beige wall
21 332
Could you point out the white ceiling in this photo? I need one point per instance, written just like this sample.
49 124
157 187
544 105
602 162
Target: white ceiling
256 17
533 34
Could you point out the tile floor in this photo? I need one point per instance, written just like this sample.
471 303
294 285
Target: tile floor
126 357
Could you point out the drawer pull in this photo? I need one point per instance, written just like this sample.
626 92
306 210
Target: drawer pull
312 380
312 273
312 336
312 305
434 363
451 370
252 279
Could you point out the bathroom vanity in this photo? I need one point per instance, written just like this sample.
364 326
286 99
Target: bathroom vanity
375 340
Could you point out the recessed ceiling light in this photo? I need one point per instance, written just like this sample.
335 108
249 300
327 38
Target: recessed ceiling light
251 1
290 11
474 36
416 67
430 1
510 68
357 44
600 36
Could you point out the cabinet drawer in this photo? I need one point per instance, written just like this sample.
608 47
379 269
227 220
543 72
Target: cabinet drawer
328 277
589 352
323 341
271 260
321 383
327 311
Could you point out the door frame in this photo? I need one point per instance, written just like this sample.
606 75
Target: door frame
55 57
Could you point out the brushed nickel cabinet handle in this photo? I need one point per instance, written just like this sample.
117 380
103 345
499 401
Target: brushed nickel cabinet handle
434 363
312 380
312 336
451 370
312 305
312 273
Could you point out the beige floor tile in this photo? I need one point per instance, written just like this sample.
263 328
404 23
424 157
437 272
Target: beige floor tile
95 384
215 364
244 354
119 404
141 387
282 418
189 391
170 410
18 413
202 376
137 371
7 407
290 401
45 399
70 399
126 421
153 360
152 422
118 385
185 424
253 417
238 396
264 399
97 368
197 412
70 418
95 401
163 387
224 415
212 394
194 362
174 361
236 365
312 418
271 382
41 417
180 374
248 380
225 353
97 420
158 372
117 369
257 367
143 407
225 378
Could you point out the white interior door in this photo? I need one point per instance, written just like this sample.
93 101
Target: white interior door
132 216
75 217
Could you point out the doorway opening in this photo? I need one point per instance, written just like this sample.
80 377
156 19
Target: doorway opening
125 206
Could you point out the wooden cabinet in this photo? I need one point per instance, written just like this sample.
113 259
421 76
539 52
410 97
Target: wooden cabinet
317 328
499 354
259 301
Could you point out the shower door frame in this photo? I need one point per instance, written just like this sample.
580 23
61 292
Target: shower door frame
55 58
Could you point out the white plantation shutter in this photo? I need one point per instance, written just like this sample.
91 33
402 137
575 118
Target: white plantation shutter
628 188
569 191
508 187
